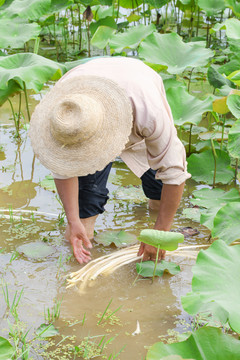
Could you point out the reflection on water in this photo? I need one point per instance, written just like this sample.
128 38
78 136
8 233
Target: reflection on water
156 306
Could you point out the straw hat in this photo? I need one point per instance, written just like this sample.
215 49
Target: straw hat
81 125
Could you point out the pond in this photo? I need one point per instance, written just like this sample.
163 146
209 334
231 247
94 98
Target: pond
30 214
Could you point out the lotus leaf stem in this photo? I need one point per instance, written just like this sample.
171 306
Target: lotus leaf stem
26 99
156 261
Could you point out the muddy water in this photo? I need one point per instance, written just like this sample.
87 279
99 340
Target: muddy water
156 306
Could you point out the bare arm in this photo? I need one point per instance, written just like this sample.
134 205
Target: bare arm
170 199
75 234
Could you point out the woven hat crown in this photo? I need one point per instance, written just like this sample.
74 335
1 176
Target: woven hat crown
75 118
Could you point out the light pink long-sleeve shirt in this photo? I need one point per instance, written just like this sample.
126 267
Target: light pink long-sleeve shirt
153 142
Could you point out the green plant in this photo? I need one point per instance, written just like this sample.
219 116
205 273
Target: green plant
51 315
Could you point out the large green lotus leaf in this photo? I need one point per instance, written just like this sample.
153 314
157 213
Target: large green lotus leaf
229 67
207 343
235 77
211 7
234 140
201 167
226 223
192 213
234 5
232 27
167 240
187 109
119 238
102 36
157 4
233 103
131 38
33 69
15 33
6 349
12 89
146 268
216 79
31 10
107 21
170 50
36 250
216 282
130 4
59 5
209 198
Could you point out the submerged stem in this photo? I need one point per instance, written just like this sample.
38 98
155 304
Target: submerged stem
156 261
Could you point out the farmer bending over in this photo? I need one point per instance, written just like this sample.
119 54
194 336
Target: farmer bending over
105 108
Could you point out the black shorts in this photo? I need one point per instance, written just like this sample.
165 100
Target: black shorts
93 193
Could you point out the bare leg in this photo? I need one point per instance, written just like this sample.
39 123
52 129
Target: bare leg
154 204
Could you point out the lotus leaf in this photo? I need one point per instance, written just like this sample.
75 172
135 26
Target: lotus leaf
26 9
209 198
102 36
36 250
216 79
131 38
211 7
215 283
166 240
12 89
170 50
229 67
119 238
192 213
130 4
59 5
201 166
157 3
107 21
227 223
6 349
46 331
234 140
235 6
48 183
186 109
233 103
235 77
232 27
15 34
30 68
146 268
132 194
206 343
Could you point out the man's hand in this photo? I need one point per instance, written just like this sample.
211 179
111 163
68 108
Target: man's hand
150 252
76 235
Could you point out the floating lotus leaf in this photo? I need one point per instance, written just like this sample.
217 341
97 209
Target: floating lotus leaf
170 50
146 268
132 194
233 103
46 331
15 33
215 283
33 69
201 166
209 198
119 238
26 9
206 343
131 38
192 213
36 250
226 223
166 240
234 140
232 27
48 183
186 109
102 36
6 349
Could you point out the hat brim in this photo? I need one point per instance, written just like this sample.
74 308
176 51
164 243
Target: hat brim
88 157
